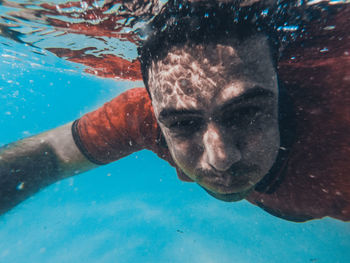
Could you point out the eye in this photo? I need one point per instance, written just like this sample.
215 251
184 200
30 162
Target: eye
185 126
241 116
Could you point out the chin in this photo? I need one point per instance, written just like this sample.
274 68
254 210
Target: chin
230 197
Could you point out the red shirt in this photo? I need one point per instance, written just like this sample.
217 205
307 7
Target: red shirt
314 181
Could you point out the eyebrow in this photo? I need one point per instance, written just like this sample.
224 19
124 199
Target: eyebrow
173 112
253 93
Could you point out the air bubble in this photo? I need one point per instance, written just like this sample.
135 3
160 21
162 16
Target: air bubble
20 186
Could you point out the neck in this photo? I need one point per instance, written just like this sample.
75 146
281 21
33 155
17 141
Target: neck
272 180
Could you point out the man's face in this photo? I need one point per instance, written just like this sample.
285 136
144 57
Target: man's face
217 106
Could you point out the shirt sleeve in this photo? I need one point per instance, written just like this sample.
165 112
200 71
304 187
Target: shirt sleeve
120 127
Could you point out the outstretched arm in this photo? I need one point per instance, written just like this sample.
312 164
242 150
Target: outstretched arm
120 127
30 164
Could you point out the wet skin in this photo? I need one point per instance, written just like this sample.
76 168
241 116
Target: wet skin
217 106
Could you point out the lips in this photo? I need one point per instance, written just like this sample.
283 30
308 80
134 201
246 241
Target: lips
237 178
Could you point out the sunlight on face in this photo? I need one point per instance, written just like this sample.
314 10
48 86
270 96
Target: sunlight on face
217 106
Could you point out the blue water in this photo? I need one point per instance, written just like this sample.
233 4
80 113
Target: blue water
134 210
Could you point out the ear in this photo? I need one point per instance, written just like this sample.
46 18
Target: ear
161 140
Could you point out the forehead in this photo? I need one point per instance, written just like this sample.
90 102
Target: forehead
195 75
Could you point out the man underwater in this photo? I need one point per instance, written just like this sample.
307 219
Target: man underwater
214 108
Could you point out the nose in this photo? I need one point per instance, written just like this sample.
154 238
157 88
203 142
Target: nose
221 151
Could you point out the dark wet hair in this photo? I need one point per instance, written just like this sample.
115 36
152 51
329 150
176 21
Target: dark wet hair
209 21
180 22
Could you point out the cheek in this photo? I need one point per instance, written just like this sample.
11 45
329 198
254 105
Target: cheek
185 152
261 145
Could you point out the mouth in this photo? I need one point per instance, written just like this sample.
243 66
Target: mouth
238 179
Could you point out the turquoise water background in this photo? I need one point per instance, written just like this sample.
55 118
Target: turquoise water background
134 210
